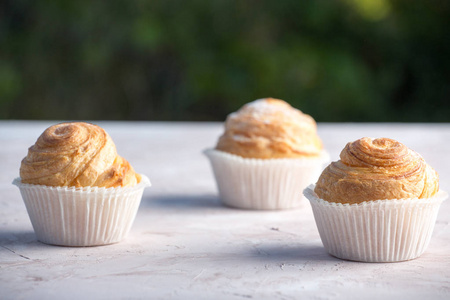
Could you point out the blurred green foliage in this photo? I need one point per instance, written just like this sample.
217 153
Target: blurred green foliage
347 60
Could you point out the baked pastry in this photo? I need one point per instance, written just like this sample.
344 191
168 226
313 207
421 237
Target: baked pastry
76 154
268 153
378 203
270 128
373 169
77 190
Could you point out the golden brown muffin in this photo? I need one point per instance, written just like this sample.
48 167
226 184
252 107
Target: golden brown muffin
377 169
270 128
76 154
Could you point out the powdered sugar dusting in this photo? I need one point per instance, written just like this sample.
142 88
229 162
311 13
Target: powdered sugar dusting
240 138
267 105
263 108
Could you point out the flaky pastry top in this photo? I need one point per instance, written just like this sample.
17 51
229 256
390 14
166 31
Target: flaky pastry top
377 169
76 154
270 128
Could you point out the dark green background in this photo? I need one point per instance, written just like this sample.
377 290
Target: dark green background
348 60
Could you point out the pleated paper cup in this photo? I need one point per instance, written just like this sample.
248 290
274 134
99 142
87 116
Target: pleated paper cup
376 231
88 216
263 184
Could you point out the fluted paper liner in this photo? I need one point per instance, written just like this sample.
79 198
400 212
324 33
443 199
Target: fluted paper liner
263 183
376 231
88 216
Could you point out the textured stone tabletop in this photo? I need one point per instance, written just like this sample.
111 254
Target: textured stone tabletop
185 245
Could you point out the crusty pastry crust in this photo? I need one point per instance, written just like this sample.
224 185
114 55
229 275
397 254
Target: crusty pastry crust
270 128
377 169
76 154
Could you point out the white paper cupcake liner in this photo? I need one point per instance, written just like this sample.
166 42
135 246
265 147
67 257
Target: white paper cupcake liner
376 231
88 216
263 183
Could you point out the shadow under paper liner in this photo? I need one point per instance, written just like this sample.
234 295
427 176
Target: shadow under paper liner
181 201
17 238
209 201
274 253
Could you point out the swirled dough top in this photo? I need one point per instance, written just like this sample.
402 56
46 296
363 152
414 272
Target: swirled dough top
377 169
270 128
76 154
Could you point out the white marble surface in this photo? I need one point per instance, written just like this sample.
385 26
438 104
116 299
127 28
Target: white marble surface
185 245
